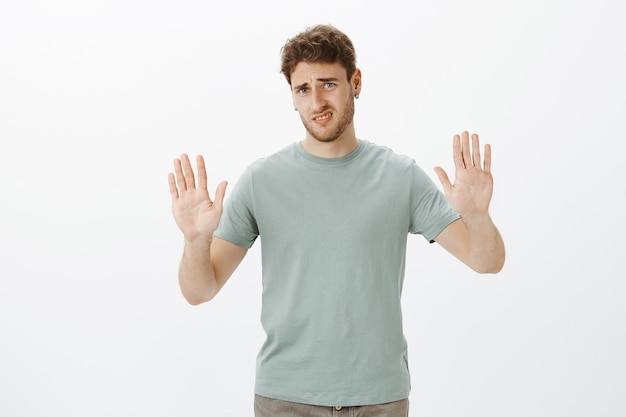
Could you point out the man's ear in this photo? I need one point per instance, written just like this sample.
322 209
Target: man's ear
356 81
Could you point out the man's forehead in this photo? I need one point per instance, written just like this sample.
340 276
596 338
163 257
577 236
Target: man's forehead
311 71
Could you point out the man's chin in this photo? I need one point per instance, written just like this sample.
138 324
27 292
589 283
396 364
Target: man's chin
325 140
322 139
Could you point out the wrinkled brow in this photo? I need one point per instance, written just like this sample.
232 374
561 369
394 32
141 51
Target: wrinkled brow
319 80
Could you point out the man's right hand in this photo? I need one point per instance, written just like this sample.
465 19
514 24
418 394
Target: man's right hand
195 213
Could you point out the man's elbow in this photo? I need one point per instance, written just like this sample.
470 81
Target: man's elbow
195 298
195 301
490 268
486 271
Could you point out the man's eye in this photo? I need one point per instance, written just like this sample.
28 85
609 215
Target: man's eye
303 91
329 85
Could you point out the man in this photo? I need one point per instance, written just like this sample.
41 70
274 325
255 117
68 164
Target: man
333 213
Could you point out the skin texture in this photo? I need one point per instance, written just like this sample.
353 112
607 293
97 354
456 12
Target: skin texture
473 239
207 262
324 98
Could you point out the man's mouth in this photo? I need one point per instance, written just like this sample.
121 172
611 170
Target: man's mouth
322 118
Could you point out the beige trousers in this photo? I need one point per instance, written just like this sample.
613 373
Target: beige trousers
268 407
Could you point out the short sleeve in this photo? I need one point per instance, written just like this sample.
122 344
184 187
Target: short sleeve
238 224
430 211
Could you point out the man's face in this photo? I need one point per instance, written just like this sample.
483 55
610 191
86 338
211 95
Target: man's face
324 97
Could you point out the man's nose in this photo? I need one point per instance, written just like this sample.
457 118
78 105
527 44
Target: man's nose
318 100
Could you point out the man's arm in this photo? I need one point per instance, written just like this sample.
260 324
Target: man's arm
473 239
478 245
207 261
206 266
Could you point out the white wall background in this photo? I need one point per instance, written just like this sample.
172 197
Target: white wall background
98 97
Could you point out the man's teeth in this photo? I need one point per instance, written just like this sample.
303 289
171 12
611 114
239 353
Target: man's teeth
326 116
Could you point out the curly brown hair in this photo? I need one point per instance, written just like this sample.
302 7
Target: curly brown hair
321 43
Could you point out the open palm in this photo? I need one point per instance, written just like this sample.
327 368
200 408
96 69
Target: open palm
473 184
195 213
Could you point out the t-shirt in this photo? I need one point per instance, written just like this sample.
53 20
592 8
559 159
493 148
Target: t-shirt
333 242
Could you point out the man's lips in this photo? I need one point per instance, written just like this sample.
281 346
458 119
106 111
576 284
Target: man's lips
323 118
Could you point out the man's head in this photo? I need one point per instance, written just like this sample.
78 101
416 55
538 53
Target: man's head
322 43
320 67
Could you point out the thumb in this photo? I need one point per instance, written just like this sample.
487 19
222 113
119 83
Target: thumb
443 177
219 194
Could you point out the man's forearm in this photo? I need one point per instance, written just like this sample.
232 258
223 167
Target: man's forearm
196 274
486 247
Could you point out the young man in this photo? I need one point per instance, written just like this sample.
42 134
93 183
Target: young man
334 213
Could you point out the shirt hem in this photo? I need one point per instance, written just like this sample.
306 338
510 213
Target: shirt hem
347 401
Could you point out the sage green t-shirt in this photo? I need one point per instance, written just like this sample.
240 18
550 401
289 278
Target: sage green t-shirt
333 241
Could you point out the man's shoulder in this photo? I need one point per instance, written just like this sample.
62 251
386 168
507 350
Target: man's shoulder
276 156
387 154
274 161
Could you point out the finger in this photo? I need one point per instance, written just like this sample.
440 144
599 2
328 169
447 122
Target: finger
488 159
180 178
173 190
465 150
443 178
475 150
188 170
202 179
457 154
219 194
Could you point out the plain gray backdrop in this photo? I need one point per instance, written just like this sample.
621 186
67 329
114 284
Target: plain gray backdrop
98 97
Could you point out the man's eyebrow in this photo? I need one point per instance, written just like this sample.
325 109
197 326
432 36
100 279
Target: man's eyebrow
301 86
325 80
319 80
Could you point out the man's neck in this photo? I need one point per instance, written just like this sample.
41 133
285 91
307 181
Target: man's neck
336 149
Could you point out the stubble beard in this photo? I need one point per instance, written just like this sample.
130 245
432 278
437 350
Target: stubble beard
319 133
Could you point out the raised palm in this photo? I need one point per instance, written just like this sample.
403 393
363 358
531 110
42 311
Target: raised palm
195 213
472 189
